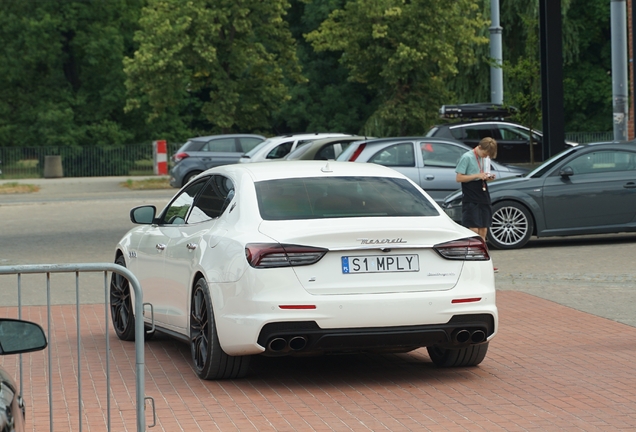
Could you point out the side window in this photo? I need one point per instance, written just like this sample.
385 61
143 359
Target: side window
604 161
248 143
441 155
478 132
509 133
397 155
212 200
280 151
326 153
225 145
178 209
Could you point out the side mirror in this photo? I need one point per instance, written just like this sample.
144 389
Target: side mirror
17 336
566 172
143 215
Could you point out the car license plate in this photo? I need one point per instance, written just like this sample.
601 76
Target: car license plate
380 264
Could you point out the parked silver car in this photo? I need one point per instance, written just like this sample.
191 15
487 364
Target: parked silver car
202 153
323 149
280 146
429 162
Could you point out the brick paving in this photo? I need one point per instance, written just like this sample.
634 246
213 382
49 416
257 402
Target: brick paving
550 368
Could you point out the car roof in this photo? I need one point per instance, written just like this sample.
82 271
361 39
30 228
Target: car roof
480 122
299 169
209 137
416 138
306 135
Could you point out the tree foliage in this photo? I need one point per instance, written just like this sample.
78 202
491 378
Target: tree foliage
61 78
225 59
404 51
107 73
327 101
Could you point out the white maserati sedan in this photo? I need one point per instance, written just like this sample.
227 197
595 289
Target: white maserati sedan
306 258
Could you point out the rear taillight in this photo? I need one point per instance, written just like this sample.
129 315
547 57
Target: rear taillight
180 156
357 152
270 255
468 249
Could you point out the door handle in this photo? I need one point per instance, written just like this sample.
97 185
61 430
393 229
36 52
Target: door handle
430 177
191 246
160 246
630 185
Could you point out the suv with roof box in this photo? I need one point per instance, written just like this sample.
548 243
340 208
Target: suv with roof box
487 120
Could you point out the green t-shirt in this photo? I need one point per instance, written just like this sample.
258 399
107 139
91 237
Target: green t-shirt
468 164
475 191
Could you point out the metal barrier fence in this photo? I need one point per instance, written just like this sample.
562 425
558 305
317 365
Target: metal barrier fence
47 269
588 137
133 160
30 162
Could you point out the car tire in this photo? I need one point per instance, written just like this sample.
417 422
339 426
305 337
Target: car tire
209 359
189 177
512 225
121 309
458 357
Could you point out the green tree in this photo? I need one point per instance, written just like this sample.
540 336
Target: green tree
212 65
586 64
328 101
61 76
405 52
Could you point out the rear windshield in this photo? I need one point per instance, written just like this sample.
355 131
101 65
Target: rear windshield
340 197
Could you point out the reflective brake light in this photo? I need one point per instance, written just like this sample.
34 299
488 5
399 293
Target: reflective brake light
270 255
180 156
468 249
356 153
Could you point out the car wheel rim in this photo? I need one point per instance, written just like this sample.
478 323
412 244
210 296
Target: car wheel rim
509 226
120 303
199 329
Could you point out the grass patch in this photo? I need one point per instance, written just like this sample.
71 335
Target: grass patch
145 184
16 188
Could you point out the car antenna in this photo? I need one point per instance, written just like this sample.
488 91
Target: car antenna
326 168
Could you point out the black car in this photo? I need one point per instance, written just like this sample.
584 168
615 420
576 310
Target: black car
16 337
513 140
201 153
587 189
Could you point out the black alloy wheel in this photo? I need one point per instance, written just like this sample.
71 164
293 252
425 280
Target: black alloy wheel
210 361
458 357
121 309
512 225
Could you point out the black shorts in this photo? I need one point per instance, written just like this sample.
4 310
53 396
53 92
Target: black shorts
476 215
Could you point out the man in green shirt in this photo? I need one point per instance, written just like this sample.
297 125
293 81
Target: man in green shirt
473 174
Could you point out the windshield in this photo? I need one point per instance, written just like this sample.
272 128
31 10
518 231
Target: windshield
340 197
300 150
257 148
550 163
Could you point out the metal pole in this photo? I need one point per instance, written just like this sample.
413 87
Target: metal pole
619 68
550 28
496 72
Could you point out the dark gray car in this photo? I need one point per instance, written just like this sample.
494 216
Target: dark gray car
429 162
16 337
588 189
201 153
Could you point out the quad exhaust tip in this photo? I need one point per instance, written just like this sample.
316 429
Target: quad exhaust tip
294 343
473 336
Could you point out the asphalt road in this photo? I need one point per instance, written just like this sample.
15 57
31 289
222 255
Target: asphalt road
81 221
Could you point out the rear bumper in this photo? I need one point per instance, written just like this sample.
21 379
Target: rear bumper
307 338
